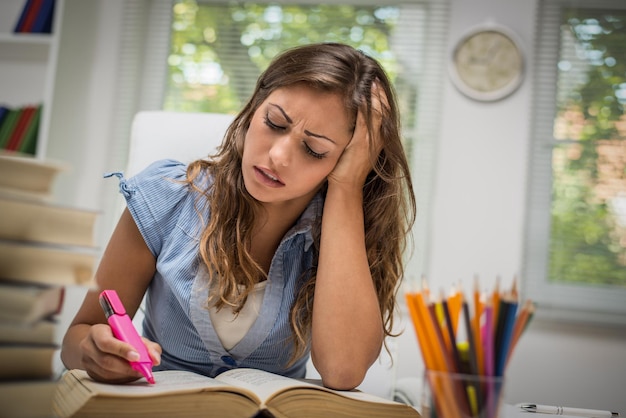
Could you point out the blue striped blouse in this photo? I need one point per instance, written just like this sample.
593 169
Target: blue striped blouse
176 316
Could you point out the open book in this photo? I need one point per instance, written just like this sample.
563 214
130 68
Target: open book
237 393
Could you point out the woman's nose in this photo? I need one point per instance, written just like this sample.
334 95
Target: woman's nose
281 151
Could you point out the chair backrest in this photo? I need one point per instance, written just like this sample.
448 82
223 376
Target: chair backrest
182 136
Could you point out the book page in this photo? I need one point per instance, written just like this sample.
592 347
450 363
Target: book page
167 382
267 385
263 383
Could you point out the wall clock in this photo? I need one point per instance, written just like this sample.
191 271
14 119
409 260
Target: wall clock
487 63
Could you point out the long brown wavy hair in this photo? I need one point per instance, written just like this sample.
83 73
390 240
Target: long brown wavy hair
388 199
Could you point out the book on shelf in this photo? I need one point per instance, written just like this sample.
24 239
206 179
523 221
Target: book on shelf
26 304
46 264
234 393
27 398
26 9
46 222
19 133
28 144
4 110
28 177
22 124
43 22
8 125
36 17
21 361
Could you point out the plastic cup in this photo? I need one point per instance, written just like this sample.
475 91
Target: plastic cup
456 395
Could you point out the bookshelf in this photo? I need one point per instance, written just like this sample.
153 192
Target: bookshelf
28 64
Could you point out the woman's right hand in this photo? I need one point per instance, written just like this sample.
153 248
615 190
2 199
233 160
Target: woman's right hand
127 266
106 359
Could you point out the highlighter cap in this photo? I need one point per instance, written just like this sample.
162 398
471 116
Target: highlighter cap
111 303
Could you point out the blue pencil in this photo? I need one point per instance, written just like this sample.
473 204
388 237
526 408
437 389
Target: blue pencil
508 311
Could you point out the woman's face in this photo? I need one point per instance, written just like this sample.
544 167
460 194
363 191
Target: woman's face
295 138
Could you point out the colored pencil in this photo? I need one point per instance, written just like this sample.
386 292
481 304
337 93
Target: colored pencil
479 350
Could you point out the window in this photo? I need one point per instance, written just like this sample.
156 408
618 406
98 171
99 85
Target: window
575 253
219 48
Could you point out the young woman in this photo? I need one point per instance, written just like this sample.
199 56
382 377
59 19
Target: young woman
288 242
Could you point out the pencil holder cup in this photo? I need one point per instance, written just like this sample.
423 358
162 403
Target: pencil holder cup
455 395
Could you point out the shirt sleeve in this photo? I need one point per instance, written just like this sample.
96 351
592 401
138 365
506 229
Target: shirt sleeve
154 198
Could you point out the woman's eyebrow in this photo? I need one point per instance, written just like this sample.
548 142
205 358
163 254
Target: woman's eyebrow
282 111
307 132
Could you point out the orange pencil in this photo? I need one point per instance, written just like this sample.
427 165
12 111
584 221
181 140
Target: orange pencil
426 347
478 311
495 301
442 390
455 301
424 343
429 333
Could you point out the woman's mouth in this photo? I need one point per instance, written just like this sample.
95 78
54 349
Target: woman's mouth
267 177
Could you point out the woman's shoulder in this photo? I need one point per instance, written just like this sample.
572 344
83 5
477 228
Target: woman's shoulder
165 168
167 175
159 197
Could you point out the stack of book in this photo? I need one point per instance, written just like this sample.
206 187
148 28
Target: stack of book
19 127
36 17
44 247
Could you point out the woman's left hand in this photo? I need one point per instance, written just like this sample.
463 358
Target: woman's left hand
356 160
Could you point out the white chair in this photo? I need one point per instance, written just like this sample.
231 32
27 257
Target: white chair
178 135
189 136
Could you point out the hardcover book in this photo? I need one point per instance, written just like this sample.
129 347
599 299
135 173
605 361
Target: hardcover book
27 362
26 304
237 393
42 332
46 264
27 398
27 177
44 222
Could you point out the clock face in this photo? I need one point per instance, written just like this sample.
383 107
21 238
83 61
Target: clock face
487 65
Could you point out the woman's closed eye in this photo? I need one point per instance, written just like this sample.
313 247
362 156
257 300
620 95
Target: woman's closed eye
312 153
273 125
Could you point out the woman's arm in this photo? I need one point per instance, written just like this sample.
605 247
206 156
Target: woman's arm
347 329
126 266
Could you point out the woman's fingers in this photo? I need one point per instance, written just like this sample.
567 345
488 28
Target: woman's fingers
356 161
106 358
379 103
154 350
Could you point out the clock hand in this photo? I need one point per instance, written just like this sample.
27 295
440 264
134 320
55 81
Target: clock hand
493 50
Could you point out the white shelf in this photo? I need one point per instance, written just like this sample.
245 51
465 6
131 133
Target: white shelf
28 63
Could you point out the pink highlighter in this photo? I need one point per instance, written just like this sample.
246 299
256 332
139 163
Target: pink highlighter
124 330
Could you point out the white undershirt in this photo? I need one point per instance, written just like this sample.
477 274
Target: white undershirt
231 328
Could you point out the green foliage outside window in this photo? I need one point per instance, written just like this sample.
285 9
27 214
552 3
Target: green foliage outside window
219 49
588 236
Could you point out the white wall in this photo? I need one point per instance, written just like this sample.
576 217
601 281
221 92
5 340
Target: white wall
478 209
